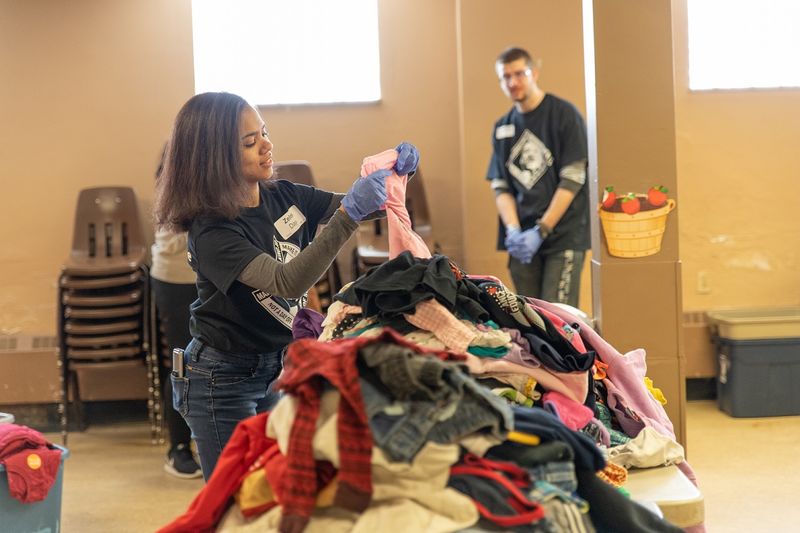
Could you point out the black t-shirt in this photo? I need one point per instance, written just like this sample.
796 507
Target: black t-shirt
229 315
530 149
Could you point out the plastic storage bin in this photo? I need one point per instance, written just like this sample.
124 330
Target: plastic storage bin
743 324
758 354
39 517
758 377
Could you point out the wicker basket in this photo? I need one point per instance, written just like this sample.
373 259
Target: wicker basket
636 235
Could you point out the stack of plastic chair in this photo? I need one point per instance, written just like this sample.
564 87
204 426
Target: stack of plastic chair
329 284
372 247
104 306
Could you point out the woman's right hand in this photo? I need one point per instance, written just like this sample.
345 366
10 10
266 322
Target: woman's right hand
366 196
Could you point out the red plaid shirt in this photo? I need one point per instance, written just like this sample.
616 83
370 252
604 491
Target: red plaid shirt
306 364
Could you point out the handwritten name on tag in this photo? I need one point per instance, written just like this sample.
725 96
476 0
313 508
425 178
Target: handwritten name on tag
291 221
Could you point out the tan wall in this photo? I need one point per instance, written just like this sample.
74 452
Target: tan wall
89 89
738 173
87 94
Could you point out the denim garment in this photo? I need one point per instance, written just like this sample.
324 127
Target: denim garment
560 474
219 390
412 399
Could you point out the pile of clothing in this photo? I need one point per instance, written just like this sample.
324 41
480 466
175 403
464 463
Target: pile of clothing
431 400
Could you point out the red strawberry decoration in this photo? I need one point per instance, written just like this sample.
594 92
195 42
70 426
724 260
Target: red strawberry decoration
657 195
609 197
631 204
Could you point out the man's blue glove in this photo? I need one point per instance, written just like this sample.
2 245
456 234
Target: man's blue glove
524 245
407 158
366 195
511 234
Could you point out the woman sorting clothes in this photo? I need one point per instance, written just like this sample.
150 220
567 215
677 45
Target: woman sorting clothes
250 244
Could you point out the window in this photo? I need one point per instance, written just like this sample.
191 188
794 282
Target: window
737 44
287 51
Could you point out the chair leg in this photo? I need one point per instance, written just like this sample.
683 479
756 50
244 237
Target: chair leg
335 277
62 402
63 368
80 408
356 270
151 358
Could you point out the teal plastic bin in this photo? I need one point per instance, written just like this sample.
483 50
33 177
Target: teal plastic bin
39 517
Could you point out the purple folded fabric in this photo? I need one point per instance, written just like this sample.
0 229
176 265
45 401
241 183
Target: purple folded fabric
307 324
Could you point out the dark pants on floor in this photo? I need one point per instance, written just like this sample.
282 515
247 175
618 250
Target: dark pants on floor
173 301
555 277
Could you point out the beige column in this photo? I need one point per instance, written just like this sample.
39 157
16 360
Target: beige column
631 122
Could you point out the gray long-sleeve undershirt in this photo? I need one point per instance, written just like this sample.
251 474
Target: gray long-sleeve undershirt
293 279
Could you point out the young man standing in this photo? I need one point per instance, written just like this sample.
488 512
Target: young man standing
538 175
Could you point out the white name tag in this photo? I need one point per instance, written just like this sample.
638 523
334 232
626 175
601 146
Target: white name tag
291 221
505 131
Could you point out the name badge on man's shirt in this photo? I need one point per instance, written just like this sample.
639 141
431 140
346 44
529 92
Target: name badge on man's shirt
506 131
290 222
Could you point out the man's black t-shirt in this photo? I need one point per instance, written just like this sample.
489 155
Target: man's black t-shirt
530 149
229 315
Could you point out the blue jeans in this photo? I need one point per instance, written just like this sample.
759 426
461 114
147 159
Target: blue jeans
219 390
460 407
555 277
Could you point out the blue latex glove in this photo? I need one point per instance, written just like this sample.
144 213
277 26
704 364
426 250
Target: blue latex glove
407 158
525 244
511 235
366 195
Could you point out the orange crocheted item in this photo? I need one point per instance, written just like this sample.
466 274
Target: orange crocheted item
613 474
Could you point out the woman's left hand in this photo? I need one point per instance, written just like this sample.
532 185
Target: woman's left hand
366 195
407 158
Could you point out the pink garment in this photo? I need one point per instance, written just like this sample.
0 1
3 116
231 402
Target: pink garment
564 328
432 316
574 385
487 277
574 415
627 376
401 236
